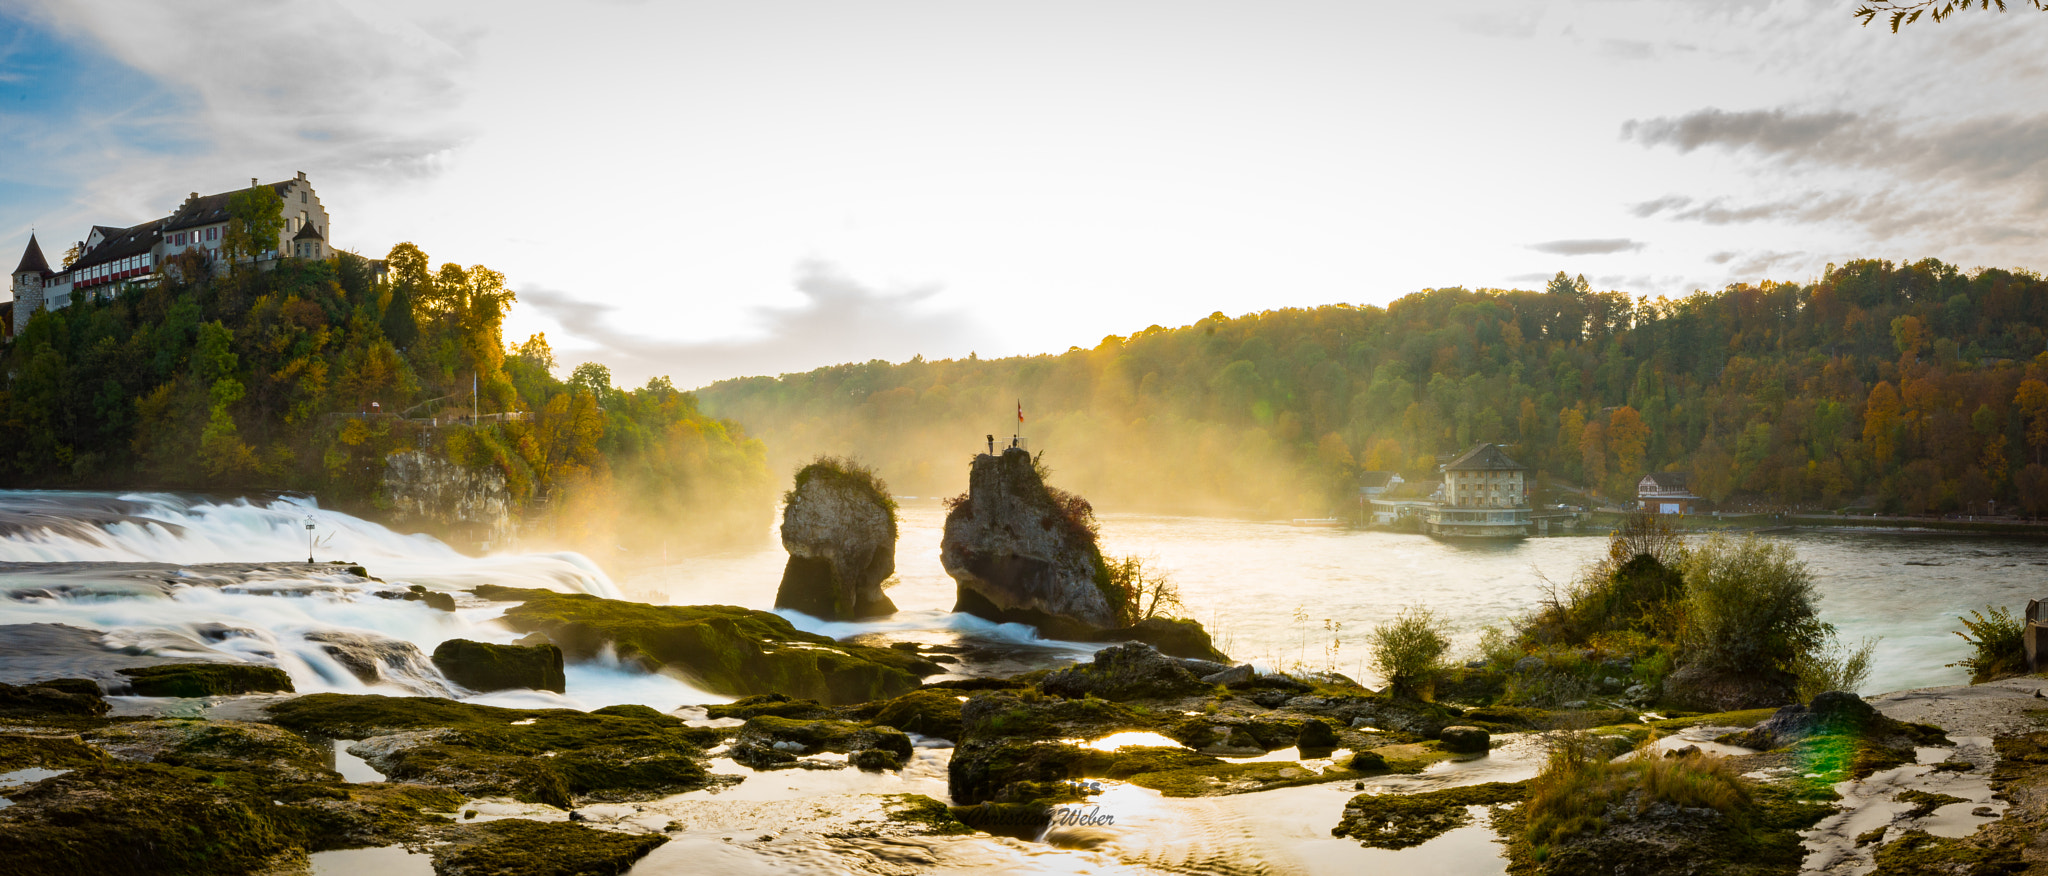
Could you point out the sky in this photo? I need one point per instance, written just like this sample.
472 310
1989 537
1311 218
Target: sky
711 190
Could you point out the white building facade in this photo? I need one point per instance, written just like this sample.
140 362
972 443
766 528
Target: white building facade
114 257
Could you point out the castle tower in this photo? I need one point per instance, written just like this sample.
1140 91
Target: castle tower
28 283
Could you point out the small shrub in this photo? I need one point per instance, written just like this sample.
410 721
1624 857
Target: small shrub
1577 786
1749 607
1138 591
1998 642
1409 650
1834 666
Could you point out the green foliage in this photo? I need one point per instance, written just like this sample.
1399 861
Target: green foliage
255 219
1408 651
1759 391
1749 607
262 380
1578 786
1833 666
846 472
1997 644
1902 12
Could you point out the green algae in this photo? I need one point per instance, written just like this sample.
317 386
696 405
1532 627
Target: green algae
933 817
536 755
726 649
1919 853
206 679
537 848
1924 802
1398 821
65 752
924 712
143 819
780 705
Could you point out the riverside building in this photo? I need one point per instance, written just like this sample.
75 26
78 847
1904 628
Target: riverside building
112 258
1485 495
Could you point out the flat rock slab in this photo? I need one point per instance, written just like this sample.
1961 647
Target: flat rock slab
1994 708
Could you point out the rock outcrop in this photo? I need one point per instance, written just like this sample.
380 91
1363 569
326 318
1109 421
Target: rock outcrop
484 667
840 530
1022 553
427 489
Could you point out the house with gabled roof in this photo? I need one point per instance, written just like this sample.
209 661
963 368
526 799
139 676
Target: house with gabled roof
1485 494
112 258
1666 492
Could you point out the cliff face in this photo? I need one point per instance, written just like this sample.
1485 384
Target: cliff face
425 490
1015 557
842 546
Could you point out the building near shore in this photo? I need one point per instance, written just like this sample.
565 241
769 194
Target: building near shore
1666 492
1485 494
111 259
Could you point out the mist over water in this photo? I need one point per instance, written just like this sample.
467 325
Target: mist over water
1245 579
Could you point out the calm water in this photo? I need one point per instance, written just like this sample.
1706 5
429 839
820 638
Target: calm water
1246 580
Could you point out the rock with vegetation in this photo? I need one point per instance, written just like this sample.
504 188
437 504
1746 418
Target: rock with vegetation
839 526
1178 637
540 848
1464 739
1023 552
143 818
206 679
726 649
1125 672
64 696
769 742
1398 821
551 756
484 667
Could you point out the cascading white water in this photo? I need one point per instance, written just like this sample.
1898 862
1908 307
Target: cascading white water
118 566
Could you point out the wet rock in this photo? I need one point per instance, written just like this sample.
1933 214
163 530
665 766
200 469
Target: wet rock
1399 821
779 705
375 659
270 753
551 756
876 760
1175 637
1832 712
769 742
1020 552
1315 736
206 679
1464 739
143 819
485 667
726 649
1121 672
839 527
540 848
1686 751
924 712
1271 699
1368 762
1235 676
1199 667
438 599
64 696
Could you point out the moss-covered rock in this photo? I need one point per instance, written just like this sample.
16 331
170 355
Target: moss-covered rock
936 818
1398 821
1174 637
538 755
143 819
206 679
345 815
270 754
769 742
481 666
1133 670
46 750
839 526
60 697
779 705
923 712
537 848
726 649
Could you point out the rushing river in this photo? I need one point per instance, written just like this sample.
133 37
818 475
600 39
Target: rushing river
174 577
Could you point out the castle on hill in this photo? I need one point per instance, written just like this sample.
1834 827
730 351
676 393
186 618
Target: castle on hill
112 258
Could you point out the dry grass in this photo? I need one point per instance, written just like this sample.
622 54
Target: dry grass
1577 788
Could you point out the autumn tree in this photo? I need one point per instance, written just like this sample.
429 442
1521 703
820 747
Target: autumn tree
1880 415
1627 438
2032 400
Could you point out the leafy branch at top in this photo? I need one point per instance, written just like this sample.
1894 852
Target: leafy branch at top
1909 11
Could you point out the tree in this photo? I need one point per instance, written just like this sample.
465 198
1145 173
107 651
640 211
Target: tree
1627 437
2032 400
1900 12
72 255
255 219
1880 414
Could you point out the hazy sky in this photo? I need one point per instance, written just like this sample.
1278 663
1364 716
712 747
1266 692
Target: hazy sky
714 189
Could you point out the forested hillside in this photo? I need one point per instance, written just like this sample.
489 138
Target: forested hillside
260 380
1912 388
